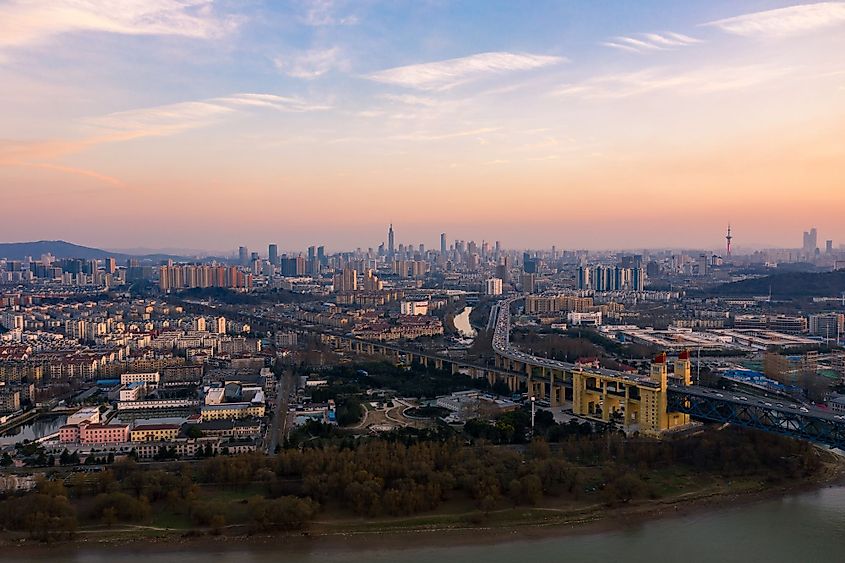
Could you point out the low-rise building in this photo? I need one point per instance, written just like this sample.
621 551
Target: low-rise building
151 378
94 433
85 414
232 411
154 432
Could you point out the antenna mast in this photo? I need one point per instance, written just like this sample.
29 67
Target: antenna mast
728 238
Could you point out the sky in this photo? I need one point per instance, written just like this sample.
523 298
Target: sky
582 124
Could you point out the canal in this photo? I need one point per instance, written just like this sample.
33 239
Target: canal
33 429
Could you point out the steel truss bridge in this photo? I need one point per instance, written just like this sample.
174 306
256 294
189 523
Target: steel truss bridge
814 425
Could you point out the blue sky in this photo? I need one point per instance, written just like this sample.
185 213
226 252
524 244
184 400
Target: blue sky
487 119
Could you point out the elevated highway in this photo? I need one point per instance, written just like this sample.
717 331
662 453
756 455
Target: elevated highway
651 404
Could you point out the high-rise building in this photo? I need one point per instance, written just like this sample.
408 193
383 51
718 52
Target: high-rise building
346 280
391 249
243 255
828 325
443 248
528 282
273 254
828 247
584 278
529 263
638 279
291 267
503 269
493 286
811 241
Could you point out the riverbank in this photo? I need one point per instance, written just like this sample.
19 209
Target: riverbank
436 530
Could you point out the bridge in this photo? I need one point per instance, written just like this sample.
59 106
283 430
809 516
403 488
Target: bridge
651 404
771 415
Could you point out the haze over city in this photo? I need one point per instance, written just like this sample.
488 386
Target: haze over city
422 281
204 125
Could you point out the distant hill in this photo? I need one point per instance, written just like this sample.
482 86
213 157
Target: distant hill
64 249
791 284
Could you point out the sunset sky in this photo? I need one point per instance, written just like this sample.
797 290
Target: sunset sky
583 124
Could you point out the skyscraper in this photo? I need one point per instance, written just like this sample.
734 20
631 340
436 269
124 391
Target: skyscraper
273 254
638 279
584 275
243 255
443 244
391 249
811 241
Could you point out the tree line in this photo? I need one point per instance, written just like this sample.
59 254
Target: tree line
404 473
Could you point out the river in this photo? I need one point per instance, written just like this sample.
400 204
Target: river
463 325
35 428
804 527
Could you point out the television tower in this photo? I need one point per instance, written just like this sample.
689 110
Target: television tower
728 238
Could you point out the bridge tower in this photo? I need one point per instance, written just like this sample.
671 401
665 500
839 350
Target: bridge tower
683 372
659 372
653 416
683 368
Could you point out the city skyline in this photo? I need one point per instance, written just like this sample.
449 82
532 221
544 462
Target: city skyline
810 243
203 124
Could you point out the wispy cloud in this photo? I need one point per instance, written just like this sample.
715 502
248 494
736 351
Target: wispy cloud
161 120
446 74
645 42
320 13
310 64
426 136
24 22
705 80
271 101
174 118
410 99
156 121
76 171
793 20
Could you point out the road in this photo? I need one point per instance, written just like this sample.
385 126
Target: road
280 423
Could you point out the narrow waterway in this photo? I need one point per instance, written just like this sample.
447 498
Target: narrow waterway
463 325
33 429
805 527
